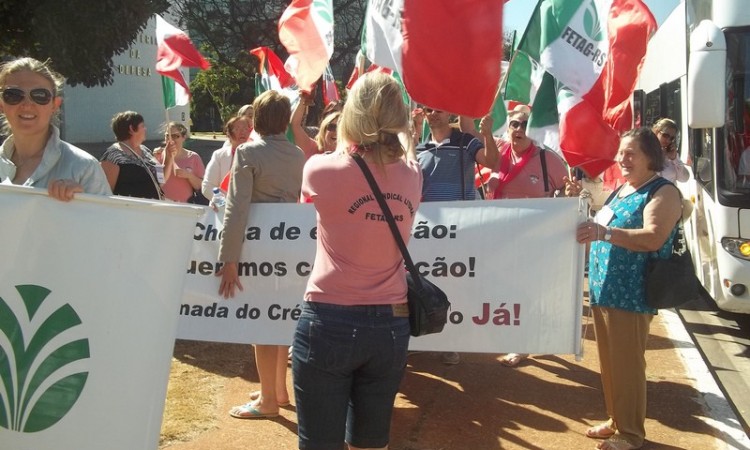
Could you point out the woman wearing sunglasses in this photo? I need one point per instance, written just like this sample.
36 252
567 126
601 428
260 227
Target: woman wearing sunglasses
188 168
33 154
325 140
674 169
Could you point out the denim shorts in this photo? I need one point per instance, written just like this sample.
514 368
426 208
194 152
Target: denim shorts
347 362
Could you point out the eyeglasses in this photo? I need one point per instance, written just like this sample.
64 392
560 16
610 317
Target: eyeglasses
671 137
516 124
430 110
331 127
40 96
175 135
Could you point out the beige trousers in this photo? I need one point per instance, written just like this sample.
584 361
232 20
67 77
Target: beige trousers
621 340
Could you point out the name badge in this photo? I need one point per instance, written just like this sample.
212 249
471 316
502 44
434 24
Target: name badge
604 216
160 173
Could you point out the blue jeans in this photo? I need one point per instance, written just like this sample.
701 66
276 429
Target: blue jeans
347 362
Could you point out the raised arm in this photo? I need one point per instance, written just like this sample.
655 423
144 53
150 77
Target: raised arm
296 123
489 156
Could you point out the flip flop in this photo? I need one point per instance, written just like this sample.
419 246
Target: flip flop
512 359
601 431
255 395
249 411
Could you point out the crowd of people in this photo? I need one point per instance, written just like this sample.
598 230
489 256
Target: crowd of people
350 347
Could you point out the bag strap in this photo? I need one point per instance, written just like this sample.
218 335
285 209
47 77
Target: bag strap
543 160
389 218
461 162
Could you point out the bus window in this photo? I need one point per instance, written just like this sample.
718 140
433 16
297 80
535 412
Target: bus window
732 158
703 157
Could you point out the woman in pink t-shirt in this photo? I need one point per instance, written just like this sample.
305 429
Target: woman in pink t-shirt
188 166
350 345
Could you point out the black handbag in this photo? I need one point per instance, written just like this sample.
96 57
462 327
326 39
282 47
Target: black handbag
428 304
671 282
198 198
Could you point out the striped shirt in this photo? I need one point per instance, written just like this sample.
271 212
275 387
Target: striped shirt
441 167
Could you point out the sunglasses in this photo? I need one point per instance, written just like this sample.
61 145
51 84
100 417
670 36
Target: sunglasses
331 127
430 110
40 96
671 137
516 124
175 135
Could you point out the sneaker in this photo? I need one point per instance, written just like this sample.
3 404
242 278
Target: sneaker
450 358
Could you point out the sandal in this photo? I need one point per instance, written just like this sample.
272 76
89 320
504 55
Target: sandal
250 411
512 359
255 395
602 431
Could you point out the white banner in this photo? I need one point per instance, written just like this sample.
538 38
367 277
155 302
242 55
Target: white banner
511 268
89 294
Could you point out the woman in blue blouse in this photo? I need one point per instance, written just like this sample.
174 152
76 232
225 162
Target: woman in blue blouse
640 219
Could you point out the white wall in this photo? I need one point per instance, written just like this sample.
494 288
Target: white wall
87 112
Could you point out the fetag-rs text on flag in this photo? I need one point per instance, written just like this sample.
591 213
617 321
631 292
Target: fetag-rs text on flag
448 52
88 320
594 49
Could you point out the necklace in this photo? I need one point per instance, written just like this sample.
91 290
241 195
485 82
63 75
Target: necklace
643 184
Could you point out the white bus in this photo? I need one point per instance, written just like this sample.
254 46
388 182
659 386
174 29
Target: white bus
697 72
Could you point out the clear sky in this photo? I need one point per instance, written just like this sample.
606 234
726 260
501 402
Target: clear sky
517 12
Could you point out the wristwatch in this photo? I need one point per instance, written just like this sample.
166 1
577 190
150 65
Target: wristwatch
608 234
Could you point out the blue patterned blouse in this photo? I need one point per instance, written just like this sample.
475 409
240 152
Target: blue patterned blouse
617 275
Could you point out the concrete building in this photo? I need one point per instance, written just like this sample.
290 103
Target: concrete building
87 112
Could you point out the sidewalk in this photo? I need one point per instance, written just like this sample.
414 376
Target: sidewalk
546 403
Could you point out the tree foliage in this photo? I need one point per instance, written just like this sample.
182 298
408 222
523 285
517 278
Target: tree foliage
222 83
232 27
79 36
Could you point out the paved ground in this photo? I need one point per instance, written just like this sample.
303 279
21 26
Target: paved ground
547 403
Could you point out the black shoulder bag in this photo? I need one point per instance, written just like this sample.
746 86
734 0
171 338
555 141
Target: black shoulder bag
428 305
671 282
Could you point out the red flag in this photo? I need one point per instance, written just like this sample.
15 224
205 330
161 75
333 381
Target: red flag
373 68
175 50
272 69
456 70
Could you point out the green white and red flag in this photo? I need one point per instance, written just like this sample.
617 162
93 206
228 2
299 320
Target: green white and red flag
272 75
306 31
594 49
447 52
174 51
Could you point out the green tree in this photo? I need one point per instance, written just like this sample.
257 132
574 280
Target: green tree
223 84
79 36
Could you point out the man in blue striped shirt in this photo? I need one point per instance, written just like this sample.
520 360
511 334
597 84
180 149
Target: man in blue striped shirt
448 158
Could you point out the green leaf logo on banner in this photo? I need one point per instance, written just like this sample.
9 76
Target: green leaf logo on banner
592 24
38 385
